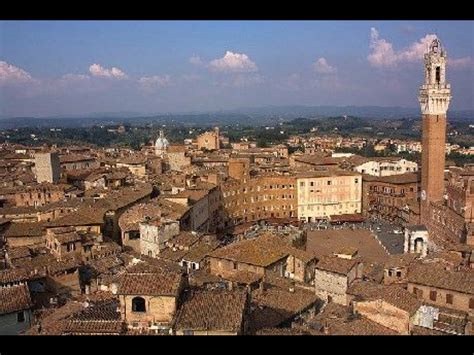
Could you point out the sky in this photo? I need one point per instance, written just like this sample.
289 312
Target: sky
51 68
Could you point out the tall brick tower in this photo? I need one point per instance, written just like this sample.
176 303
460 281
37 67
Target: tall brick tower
434 98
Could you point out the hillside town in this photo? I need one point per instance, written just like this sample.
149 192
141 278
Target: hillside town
211 237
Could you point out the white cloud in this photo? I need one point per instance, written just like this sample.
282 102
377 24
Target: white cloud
12 74
98 70
196 60
233 62
383 54
150 83
382 51
416 50
321 66
460 62
247 80
190 77
75 77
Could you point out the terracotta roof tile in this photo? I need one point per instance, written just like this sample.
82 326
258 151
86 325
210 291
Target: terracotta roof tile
31 229
213 310
260 252
150 284
394 295
336 264
14 299
432 275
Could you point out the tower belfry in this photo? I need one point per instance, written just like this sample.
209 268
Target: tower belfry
434 98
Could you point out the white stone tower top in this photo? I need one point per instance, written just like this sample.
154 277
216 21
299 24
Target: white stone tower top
161 142
161 145
435 93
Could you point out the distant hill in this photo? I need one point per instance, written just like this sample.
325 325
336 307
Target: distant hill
249 116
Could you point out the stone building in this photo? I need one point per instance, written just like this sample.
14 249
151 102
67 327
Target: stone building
388 197
154 233
451 221
386 167
266 255
15 309
177 158
416 240
209 140
135 164
261 197
333 276
442 288
77 162
238 169
129 222
390 306
34 195
325 193
149 300
47 167
24 234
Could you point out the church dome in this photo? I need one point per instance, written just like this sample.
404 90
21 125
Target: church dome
161 142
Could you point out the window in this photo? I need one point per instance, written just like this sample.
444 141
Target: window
433 295
356 181
418 292
449 298
71 247
20 317
471 303
329 182
134 235
234 265
138 304
399 274
438 75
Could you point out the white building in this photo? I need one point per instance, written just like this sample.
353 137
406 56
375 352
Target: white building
387 167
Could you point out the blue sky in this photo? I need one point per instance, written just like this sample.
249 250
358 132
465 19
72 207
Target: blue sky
78 67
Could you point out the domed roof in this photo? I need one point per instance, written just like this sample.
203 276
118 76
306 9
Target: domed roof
161 142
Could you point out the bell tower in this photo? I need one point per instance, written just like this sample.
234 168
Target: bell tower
434 98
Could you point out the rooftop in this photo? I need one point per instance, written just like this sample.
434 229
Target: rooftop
435 276
27 229
260 252
394 295
336 264
14 299
153 284
330 241
217 310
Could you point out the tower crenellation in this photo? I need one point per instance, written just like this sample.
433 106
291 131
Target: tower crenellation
435 93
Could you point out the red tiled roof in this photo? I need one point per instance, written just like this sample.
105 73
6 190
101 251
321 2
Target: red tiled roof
14 299
150 284
213 310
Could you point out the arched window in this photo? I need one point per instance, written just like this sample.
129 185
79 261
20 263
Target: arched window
138 304
419 245
438 75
